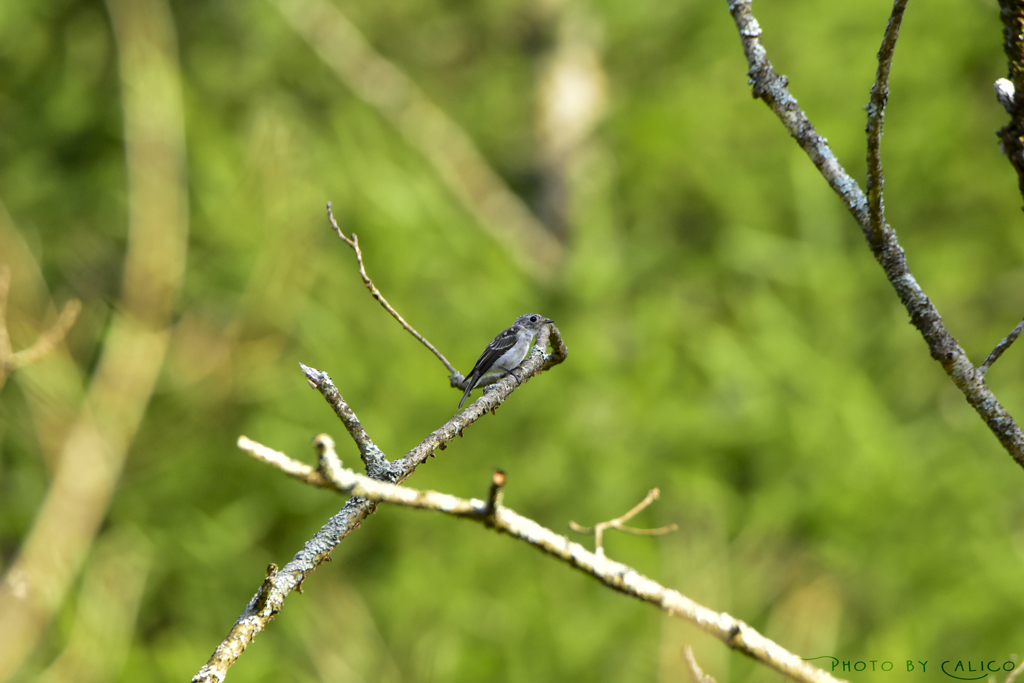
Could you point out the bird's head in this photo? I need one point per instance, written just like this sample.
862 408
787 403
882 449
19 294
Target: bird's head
532 322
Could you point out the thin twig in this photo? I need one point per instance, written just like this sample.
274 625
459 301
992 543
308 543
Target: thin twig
354 243
698 674
734 633
1001 347
618 523
943 347
876 117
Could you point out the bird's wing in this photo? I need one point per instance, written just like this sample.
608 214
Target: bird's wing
495 350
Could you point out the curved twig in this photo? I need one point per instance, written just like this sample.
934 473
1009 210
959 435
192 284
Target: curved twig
354 243
1012 676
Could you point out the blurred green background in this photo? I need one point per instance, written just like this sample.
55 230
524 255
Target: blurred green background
731 339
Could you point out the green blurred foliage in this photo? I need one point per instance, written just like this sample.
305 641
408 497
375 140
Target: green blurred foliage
731 340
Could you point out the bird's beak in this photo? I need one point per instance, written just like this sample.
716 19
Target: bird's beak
547 320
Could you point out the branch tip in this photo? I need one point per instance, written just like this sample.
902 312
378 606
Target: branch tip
314 377
323 442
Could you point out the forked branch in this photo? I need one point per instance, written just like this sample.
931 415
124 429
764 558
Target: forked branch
269 599
734 633
772 88
619 523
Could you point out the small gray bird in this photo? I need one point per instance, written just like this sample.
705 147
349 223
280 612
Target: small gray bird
506 351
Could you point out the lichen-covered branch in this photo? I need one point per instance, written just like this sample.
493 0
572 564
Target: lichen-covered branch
270 597
772 88
733 632
373 457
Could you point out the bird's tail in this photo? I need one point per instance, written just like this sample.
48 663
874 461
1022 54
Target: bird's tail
469 388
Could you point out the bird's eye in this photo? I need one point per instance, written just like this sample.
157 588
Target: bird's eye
533 318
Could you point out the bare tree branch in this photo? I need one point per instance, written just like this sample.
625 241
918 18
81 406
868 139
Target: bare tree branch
1011 136
772 88
734 633
269 599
